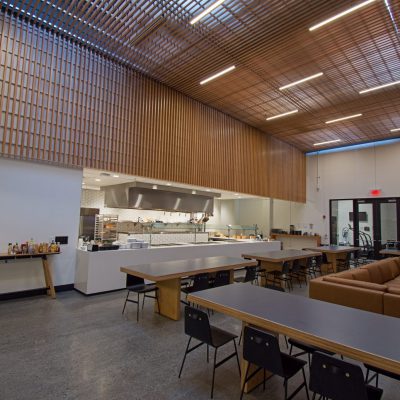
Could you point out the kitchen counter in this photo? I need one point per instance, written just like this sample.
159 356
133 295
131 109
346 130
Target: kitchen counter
98 272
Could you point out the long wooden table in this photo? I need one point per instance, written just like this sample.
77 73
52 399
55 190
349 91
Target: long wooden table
390 252
334 253
360 335
46 267
167 276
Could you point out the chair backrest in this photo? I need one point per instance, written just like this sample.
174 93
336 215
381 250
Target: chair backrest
222 278
285 267
133 280
273 287
318 261
324 258
296 266
201 282
197 324
251 274
336 379
262 349
309 262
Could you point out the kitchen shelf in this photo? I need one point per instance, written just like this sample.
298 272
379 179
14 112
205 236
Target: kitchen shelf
106 227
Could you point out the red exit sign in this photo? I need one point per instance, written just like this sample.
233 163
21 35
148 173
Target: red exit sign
375 192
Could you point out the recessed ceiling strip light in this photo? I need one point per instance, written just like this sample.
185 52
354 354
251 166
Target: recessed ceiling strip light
282 115
395 130
301 81
342 14
217 75
379 87
343 118
328 142
206 11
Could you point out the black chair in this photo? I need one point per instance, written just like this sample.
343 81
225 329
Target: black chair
329 265
336 379
378 371
305 349
136 285
296 272
250 276
222 278
282 275
262 350
343 264
308 269
316 265
197 326
200 282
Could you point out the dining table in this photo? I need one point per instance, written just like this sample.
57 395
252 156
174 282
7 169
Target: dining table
335 253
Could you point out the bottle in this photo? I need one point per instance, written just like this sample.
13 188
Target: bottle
31 247
58 247
10 248
16 248
40 248
53 247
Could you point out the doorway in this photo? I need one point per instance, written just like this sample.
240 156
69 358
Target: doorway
371 224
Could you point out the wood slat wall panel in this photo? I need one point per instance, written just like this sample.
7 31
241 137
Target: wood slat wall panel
64 104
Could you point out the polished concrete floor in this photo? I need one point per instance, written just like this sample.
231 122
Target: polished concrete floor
78 347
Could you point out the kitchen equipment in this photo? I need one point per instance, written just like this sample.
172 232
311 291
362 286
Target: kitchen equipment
92 247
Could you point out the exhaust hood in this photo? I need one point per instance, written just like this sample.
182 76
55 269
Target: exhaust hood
145 196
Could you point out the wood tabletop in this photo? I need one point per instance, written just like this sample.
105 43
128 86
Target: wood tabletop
390 252
282 255
163 271
335 249
368 337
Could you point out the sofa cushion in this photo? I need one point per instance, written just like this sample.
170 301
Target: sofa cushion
394 290
344 275
374 273
397 262
394 283
386 272
360 274
391 304
354 283
394 267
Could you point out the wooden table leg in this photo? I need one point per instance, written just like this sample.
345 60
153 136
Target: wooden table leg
169 298
332 257
48 278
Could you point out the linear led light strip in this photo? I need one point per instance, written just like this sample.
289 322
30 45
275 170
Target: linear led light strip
395 130
379 87
217 75
343 118
282 115
301 81
328 142
206 11
342 14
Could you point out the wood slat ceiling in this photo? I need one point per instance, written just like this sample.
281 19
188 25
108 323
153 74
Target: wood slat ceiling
269 43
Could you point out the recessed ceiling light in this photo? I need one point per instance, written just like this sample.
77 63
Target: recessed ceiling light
98 180
379 87
155 187
115 176
218 74
208 190
206 11
343 118
328 142
342 14
282 115
236 194
168 184
395 130
193 192
301 81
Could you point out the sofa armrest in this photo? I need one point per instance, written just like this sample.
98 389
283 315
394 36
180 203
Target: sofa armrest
391 304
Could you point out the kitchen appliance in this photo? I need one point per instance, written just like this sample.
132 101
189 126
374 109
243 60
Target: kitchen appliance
87 222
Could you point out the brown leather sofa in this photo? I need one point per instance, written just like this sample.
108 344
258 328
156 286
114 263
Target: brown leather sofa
374 287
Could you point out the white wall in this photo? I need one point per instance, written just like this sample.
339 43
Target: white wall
343 175
38 201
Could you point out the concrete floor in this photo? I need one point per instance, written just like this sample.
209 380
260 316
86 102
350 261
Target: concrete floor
78 347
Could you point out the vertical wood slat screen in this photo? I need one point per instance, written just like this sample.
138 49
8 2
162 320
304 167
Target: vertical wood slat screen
64 104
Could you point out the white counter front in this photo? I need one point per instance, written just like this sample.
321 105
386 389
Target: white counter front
98 272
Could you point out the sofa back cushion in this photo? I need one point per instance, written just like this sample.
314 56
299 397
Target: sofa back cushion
374 272
394 290
394 267
345 274
355 284
360 274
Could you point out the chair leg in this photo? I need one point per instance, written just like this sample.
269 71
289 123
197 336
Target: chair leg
286 342
137 308
244 382
144 296
305 381
237 356
126 299
208 354
213 377
290 350
158 303
285 385
184 357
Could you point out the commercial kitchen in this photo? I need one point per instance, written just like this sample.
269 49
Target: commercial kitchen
165 165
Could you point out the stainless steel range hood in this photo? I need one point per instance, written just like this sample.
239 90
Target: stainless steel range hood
145 196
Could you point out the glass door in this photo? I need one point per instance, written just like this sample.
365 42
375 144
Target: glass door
365 228
388 223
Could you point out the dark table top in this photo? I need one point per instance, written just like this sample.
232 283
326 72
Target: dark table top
361 335
162 271
335 249
392 252
282 255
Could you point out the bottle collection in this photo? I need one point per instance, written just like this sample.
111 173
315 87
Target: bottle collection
30 247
